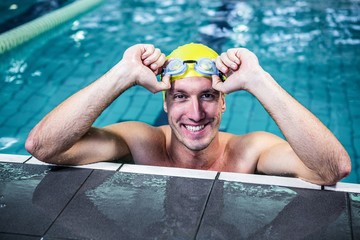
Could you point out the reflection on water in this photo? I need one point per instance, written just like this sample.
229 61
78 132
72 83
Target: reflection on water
132 206
17 183
252 211
9 172
270 191
7 142
33 196
112 204
148 205
119 190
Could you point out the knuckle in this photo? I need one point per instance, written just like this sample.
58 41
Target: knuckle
150 47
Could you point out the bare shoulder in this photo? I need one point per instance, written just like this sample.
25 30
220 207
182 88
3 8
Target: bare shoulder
133 132
145 142
253 141
243 151
130 125
262 138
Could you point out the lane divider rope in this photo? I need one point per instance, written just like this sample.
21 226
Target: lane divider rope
23 33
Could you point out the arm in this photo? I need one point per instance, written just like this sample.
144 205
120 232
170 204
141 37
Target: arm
66 135
311 148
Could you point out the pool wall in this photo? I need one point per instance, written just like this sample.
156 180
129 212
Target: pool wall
112 201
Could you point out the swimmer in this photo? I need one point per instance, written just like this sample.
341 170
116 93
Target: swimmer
193 79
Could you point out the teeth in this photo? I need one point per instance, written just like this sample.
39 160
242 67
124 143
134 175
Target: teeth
194 128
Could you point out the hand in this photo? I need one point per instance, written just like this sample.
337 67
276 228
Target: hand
240 67
144 62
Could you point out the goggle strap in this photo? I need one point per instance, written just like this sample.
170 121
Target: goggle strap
190 61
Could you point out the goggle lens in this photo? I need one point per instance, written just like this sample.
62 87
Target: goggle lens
204 66
174 65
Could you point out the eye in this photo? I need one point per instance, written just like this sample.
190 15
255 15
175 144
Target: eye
208 96
179 96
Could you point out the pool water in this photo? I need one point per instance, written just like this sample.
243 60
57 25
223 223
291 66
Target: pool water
310 47
16 12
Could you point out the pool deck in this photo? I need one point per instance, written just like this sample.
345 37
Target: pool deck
122 201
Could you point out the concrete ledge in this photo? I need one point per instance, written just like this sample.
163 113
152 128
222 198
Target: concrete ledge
267 180
344 187
168 171
14 158
194 173
100 165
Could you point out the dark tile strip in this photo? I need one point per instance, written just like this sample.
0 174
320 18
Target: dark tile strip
28 159
206 204
350 217
118 169
18 236
69 202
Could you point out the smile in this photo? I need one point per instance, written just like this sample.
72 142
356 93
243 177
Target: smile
194 128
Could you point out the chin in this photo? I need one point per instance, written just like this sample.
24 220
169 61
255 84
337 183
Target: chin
197 146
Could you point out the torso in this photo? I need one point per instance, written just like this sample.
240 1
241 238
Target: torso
235 153
234 158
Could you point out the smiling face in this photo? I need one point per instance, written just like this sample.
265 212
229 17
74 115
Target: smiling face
194 112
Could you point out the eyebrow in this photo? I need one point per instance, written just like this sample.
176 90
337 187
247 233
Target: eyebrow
210 90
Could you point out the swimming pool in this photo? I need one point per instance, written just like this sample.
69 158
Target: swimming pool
310 47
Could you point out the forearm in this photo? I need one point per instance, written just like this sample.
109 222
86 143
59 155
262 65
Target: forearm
73 118
312 142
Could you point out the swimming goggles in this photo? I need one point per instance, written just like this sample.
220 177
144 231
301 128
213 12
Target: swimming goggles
204 66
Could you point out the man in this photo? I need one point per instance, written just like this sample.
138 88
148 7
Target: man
194 101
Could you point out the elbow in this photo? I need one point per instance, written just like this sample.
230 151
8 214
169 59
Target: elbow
33 146
342 170
344 166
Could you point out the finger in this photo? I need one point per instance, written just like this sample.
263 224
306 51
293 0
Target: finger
160 86
243 53
229 62
158 63
153 57
220 65
148 50
233 55
217 84
165 82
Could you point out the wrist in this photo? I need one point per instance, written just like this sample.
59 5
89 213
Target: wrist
257 81
121 76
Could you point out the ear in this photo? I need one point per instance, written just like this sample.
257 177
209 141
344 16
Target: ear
223 107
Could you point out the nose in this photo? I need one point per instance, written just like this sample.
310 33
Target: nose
196 112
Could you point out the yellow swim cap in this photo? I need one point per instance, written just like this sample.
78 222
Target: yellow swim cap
192 51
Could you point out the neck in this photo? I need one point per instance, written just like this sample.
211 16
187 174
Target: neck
208 158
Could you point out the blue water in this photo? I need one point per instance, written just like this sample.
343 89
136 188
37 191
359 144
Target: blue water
310 47
17 12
